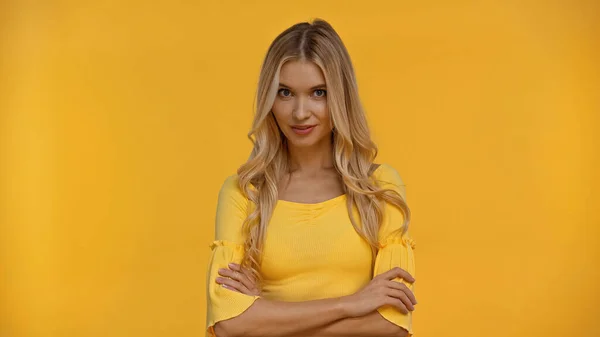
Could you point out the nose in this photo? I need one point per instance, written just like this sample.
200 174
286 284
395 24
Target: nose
301 109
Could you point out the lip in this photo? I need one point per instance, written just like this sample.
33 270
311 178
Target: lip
303 129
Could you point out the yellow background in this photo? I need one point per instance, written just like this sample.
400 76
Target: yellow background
120 120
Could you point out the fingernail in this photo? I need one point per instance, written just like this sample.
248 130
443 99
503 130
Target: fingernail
218 279
232 265
222 270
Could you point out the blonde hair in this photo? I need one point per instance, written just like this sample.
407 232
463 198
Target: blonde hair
353 149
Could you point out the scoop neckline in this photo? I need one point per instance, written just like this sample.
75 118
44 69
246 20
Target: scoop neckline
321 203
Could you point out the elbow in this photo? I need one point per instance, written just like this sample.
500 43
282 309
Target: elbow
225 329
392 330
399 332
220 330
230 328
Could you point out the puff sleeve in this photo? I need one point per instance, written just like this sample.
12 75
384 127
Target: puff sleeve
227 247
395 250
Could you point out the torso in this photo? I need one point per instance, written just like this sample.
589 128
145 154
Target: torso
312 251
312 212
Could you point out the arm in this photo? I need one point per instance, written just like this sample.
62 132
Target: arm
353 316
273 318
231 313
372 324
396 250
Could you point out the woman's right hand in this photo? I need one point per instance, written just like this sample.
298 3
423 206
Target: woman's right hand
382 290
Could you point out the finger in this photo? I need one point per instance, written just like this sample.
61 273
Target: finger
221 281
402 297
237 286
404 288
239 276
230 288
234 275
398 304
231 274
244 276
398 272
247 272
228 273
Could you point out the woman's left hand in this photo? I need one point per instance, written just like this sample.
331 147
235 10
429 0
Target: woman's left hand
238 279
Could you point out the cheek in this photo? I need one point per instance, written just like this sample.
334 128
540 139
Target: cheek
322 112
320 107
281 110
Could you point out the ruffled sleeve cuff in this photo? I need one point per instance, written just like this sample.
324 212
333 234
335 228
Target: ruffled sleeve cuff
224 303
397 252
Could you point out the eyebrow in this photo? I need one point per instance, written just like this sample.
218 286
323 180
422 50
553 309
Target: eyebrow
313 88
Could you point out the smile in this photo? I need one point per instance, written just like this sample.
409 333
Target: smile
303 130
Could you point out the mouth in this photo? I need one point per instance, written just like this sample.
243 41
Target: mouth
303 129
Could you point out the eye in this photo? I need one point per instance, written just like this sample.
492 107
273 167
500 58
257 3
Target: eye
320 93
284 92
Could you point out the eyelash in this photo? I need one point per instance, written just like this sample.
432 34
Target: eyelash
279 92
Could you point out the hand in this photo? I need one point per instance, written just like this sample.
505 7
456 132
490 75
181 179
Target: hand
382 290
238 279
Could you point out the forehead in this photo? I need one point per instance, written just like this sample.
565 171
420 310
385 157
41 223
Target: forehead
301 75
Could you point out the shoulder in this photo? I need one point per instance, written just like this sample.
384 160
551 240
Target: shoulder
232 210
231 184
387 176
231 192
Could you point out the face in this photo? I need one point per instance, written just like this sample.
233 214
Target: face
300 107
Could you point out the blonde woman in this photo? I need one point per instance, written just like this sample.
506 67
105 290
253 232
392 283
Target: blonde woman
311 234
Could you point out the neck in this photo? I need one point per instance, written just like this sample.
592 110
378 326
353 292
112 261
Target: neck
311 159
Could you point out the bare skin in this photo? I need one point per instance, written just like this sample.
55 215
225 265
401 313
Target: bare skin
301 103
353 315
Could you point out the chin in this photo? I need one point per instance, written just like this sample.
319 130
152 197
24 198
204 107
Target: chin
302 143
305 141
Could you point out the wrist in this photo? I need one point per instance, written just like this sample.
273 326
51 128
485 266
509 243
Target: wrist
343 306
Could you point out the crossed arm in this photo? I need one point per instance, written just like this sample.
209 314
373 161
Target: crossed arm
372 324
323 318
369 312
349 316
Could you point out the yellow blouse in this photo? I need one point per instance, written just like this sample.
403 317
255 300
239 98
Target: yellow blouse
311 251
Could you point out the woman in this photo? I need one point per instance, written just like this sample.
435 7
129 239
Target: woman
311 235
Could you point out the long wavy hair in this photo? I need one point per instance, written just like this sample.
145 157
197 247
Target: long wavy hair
353 150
